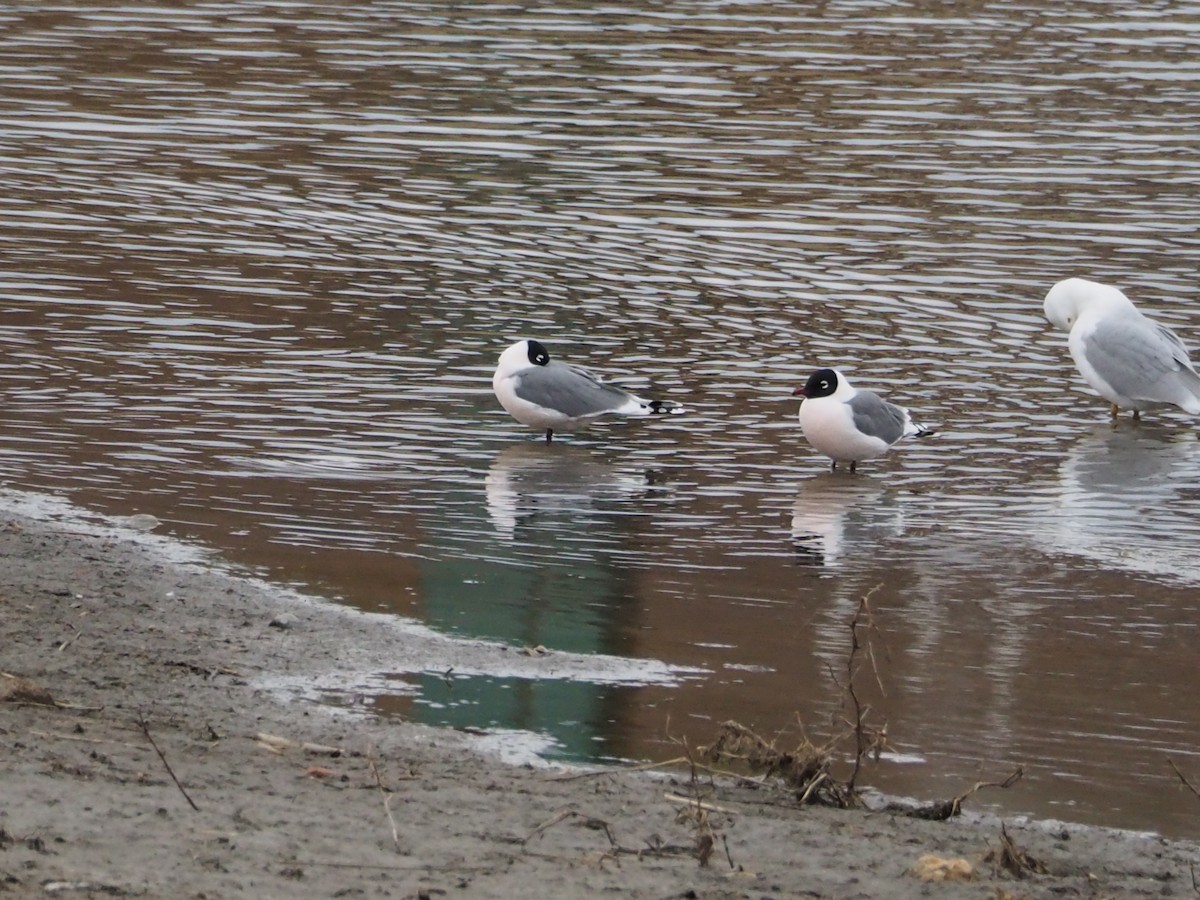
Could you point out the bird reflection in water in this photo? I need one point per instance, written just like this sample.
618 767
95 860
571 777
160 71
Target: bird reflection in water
834 517
1126 498
529 482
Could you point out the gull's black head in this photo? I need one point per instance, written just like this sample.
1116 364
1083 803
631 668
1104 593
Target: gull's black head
538 354
821 383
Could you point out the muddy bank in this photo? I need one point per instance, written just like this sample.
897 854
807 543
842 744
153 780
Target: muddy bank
153 776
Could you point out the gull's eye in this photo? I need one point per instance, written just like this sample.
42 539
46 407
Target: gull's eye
824 383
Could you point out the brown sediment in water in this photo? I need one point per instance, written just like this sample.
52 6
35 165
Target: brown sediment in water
141 757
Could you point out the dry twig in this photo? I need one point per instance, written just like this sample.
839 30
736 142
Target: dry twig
948 809
697 812
146 731
569 812
69 641
867 741
1187 784
387 801
692 801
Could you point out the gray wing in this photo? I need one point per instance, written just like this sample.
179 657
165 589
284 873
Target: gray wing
570 390
1180 352
1134 355
875 416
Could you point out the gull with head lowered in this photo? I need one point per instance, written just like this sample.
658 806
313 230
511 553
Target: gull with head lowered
1129 359
546 394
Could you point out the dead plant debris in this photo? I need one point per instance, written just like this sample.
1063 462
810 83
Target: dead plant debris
655 846
941 810
15 689
805 767
808 767
18 689
1012 859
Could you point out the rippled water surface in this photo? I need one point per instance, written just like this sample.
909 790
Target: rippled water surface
260 259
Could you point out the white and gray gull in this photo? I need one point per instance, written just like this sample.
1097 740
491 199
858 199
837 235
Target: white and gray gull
849 425
1129 359
546 394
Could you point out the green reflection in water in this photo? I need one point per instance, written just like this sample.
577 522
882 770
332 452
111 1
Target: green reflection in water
539 567
569 608
574 714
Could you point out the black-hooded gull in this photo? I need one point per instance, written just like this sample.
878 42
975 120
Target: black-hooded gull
546 394
849 425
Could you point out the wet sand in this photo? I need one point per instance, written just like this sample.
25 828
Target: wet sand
158 661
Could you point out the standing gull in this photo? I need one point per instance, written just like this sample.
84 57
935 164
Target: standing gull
1130 360
849 425
543 393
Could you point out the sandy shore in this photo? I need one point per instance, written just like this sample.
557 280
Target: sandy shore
149 649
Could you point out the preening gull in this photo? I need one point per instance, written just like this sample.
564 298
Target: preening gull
546 394
1130 360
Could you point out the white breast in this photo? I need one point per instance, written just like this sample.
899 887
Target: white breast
828 425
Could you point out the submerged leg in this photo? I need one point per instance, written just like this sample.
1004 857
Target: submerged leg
854 465
1137 415
833 468
1116 411
549 435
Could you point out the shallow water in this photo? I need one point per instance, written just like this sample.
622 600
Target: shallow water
260 260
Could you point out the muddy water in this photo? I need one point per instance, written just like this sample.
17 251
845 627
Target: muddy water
259 260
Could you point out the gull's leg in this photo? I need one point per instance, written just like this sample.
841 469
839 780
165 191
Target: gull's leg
549 435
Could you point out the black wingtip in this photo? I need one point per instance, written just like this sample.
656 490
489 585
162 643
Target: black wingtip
659 407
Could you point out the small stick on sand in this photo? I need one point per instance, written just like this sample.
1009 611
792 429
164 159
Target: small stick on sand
698 804
569 812
277 745
550 823
69 641
166 765
387 802
729 856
